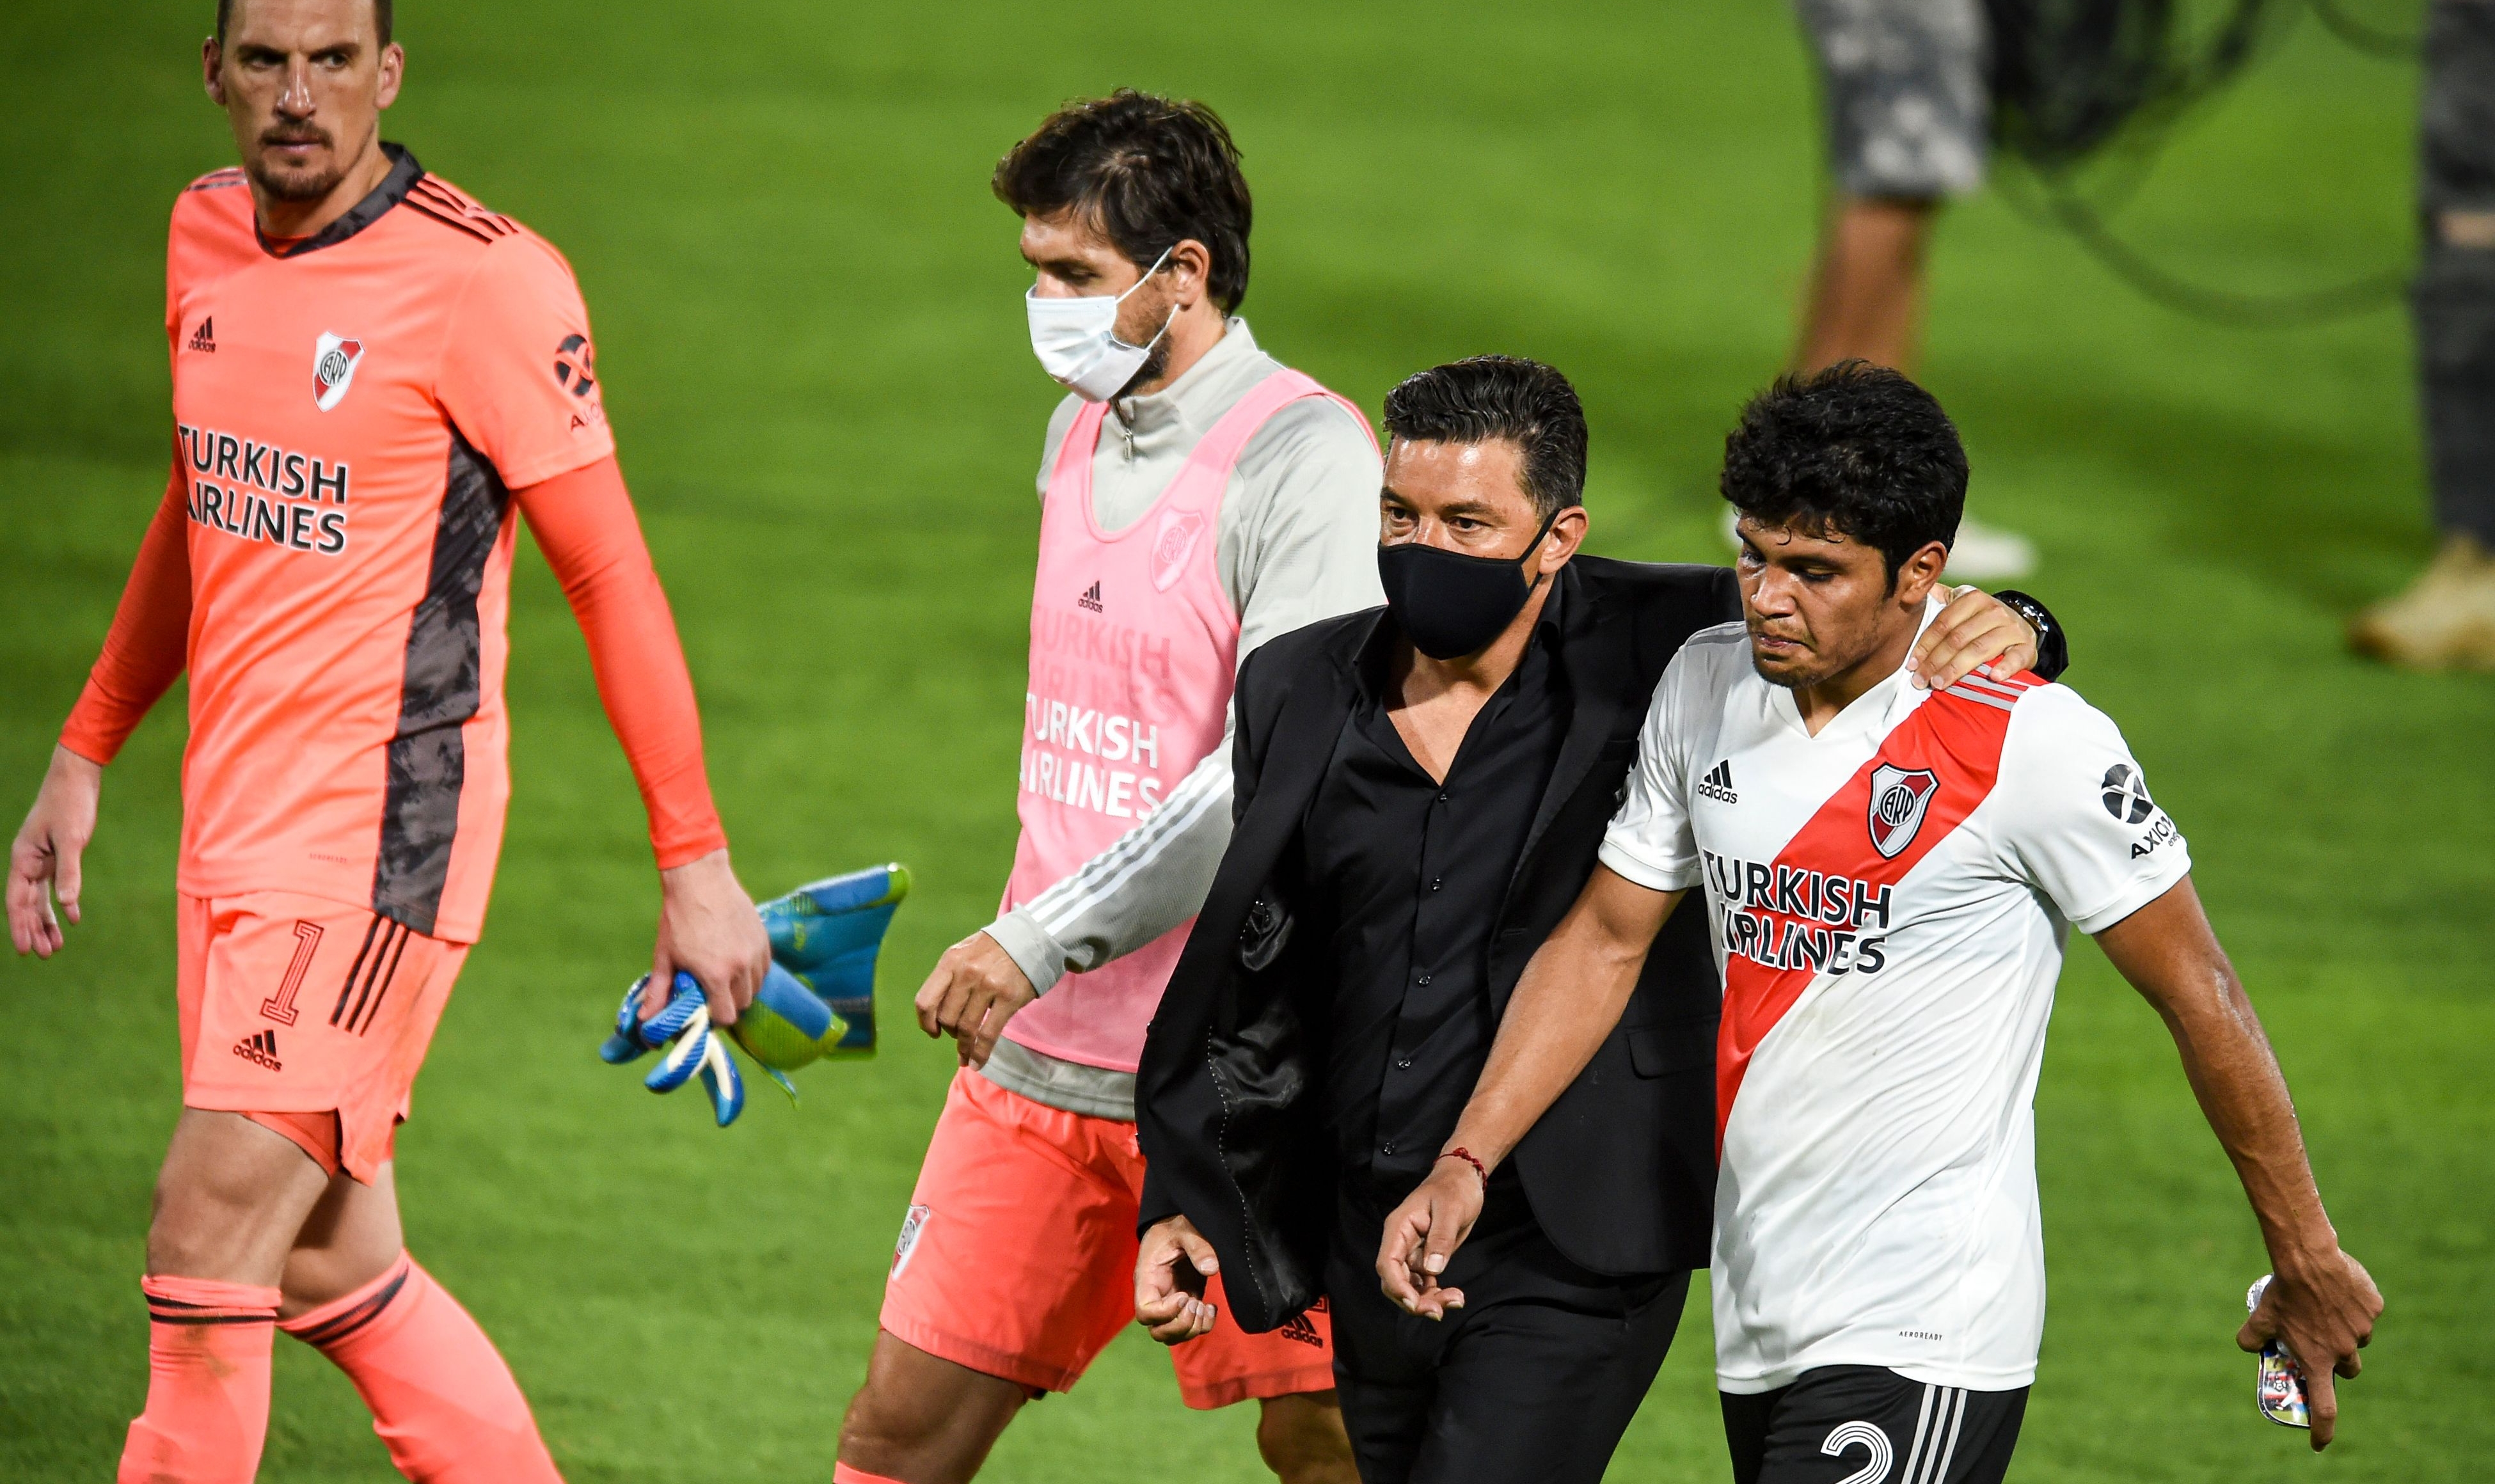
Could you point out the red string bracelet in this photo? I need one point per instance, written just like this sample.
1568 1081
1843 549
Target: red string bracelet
1466 1154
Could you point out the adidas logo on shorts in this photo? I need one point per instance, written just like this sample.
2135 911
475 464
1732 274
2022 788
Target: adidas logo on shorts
259 1046
1301 1328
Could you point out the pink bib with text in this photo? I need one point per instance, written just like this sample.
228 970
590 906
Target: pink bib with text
1133 645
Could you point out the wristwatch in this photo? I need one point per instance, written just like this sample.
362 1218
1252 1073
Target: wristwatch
2053 644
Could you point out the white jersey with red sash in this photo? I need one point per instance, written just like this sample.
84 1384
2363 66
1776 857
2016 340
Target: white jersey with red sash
1133 650
1890 901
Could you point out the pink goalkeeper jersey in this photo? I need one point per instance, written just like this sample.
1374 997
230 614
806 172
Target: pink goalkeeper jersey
1133 647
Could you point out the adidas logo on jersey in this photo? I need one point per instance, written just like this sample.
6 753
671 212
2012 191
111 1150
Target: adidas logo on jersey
1717 784
1091 599
259 1046
204 338
1301 1328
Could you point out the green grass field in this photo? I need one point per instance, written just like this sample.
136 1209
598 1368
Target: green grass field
815 359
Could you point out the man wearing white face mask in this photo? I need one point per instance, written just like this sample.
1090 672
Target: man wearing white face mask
1196 498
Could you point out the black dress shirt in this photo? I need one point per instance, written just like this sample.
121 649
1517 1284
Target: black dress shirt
1414 873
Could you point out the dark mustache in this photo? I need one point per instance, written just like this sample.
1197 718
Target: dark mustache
301 134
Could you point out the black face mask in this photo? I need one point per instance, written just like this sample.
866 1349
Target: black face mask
1451 604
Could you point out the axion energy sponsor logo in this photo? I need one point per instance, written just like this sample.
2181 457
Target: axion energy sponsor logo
265 493
574 361
2126 793
1783 917
1056 732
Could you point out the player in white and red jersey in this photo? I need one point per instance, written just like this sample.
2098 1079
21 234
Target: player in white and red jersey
1891 876
374 379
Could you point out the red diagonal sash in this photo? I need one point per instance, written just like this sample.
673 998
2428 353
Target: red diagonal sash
1957 737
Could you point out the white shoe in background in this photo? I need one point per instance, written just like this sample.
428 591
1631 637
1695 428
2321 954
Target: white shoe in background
2442 621
1985 553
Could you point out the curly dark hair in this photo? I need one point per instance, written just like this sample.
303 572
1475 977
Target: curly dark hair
380 19
1483 397
1855 451
1148 171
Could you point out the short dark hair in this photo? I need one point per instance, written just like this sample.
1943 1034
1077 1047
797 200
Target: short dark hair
1148 171
1855 451
380 19
1483 397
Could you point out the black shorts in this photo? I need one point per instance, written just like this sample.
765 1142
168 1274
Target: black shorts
1864 1425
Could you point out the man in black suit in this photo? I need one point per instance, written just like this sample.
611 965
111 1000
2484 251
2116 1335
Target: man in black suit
1420 791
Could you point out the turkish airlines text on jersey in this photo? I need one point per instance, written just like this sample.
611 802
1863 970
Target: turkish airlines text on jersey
1056 732
1790 917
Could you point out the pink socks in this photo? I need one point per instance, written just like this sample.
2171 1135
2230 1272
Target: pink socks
442 1398
207 1383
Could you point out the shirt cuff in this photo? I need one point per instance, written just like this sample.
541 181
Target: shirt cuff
558 462
1033 952
94 743
1674 876
2138 894
1154 1207
685 850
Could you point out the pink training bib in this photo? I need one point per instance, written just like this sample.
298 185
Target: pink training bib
1133 647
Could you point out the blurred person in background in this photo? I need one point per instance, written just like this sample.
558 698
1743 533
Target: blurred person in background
2446 618
1908 110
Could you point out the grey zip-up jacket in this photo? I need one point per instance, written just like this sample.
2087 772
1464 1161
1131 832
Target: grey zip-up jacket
1297 542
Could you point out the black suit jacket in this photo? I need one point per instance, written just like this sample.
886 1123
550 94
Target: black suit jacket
1620 1172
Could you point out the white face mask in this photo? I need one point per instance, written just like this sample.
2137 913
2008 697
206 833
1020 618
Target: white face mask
1076 340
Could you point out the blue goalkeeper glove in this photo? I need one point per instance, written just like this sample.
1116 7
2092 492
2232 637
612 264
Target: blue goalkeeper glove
683 1031
816 1000
827 935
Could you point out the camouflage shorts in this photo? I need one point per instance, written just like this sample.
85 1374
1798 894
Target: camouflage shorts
1908 107
2457 134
